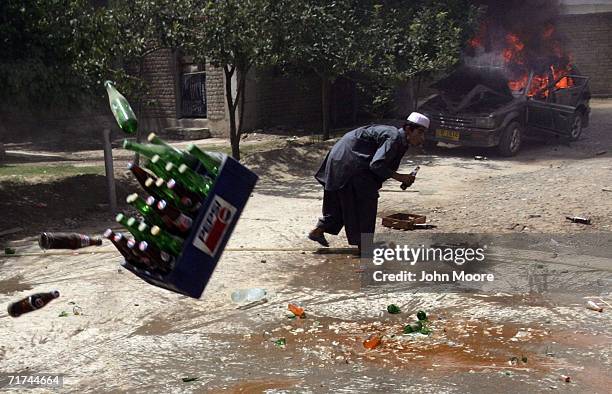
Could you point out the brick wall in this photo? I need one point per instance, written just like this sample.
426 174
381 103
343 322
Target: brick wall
589 41
280 100
215 93
159 73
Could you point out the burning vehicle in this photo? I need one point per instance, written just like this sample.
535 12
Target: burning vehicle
516 82
477 107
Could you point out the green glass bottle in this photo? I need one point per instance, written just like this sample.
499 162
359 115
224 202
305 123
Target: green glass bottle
162 192
413 327
393 309
154 139
198 182
188 159
150 150
121 109
132 226
156 166
147 212
166 242
210 164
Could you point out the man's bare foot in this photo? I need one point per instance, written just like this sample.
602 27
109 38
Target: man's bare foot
317 235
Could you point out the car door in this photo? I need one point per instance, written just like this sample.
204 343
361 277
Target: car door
544 114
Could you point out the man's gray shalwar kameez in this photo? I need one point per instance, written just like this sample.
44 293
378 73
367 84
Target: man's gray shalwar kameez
352 173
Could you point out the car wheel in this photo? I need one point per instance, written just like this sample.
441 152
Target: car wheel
511 139
576 130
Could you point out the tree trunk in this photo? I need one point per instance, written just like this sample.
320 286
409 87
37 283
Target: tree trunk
234 139
139 111
325 106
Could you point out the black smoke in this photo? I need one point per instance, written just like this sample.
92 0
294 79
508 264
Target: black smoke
532 22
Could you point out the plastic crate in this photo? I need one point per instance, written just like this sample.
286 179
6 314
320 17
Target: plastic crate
210 231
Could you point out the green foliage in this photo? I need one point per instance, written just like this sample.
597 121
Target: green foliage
411 40
321 36
51 49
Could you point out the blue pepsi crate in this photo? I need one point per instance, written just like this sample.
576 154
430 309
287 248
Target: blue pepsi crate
210 231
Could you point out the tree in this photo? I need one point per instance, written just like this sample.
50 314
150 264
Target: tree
54 51
143 27
324 37
413 39
234 35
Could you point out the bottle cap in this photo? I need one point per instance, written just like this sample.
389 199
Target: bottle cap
131 198
162 204
155 230
108 232
149 182
169 166
125 143
155 159
55 293
142 226
131 221
131 243
130 165
143 246
107 84
150 201
151 137
117 237
190 147
159 182
171 183
182 168
119 217
43 241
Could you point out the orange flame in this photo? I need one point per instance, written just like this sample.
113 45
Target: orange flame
515 57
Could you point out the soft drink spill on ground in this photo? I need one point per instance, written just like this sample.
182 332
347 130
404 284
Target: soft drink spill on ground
31 303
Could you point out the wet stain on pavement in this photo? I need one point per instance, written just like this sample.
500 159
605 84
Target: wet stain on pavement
13 285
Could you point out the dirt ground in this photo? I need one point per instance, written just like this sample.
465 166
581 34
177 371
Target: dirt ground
130 336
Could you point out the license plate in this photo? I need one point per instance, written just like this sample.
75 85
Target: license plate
448 134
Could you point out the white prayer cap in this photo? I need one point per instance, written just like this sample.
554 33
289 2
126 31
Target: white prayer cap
419 120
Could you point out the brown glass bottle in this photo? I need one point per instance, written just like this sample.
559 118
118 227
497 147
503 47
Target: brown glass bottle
67 241
31 303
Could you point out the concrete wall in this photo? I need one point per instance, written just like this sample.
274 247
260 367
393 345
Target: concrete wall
590 44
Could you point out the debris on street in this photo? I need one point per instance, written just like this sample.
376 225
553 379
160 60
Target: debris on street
297 311
593 306
393 309
578 219
372 341
31 303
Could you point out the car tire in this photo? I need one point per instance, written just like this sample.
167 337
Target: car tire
511 139
576 130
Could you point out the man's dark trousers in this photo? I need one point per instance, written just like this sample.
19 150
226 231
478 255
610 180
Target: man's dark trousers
353 206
